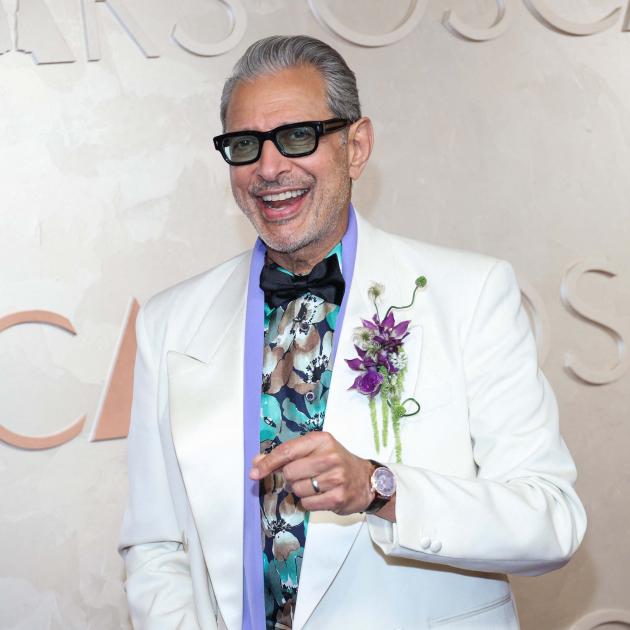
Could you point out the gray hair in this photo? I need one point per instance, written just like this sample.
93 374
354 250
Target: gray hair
273 54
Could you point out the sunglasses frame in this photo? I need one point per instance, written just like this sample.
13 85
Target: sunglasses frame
321 128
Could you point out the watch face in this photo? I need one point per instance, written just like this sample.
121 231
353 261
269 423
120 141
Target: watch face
384 481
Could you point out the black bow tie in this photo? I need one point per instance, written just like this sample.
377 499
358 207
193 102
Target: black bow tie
324 281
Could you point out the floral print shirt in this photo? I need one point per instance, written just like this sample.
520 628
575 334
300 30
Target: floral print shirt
296 377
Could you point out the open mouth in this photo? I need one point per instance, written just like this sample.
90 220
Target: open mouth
282 199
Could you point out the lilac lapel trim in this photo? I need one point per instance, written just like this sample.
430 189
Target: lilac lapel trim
253 593
253 588
348 254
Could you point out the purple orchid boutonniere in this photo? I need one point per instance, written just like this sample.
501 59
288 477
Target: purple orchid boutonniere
382 363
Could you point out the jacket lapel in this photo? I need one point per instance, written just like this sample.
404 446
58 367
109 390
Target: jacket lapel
330 537
205 392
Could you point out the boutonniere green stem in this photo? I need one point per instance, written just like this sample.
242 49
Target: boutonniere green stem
382 363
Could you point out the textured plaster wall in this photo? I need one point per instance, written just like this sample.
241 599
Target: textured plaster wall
518 147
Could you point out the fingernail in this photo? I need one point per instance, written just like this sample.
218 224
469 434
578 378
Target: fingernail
254 473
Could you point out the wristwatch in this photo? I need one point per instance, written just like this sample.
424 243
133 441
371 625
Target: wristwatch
383 484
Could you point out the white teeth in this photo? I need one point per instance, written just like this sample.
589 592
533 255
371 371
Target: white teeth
289 194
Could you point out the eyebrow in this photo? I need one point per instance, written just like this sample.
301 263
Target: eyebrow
282 124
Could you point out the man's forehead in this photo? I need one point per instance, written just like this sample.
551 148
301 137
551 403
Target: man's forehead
295 94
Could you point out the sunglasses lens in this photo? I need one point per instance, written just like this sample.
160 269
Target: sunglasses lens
240 148
297 140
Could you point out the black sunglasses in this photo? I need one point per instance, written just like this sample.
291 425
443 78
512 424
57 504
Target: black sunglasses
293 140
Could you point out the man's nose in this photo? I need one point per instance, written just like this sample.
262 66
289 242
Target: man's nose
271 162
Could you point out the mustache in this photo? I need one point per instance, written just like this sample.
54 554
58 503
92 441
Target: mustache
268 186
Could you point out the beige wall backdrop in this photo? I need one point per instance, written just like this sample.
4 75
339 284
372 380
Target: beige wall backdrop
517 146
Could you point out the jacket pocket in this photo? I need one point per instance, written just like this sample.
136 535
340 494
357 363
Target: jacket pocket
495 615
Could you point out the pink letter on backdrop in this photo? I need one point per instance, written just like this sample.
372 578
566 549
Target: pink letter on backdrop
114 410
46 441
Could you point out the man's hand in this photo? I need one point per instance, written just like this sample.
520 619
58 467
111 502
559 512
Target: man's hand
343 478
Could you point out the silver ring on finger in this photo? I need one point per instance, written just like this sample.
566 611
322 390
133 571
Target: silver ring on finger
315 485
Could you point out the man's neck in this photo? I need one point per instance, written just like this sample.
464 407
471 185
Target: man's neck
297 263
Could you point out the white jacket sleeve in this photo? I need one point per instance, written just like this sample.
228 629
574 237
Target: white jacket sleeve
159 585
520 514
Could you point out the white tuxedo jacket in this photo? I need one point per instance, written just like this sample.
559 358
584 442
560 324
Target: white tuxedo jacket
485 487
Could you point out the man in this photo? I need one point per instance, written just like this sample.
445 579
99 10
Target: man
218 463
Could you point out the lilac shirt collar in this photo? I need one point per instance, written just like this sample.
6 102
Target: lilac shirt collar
253 589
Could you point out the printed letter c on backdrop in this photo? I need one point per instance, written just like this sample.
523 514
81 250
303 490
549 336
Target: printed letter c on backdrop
56 439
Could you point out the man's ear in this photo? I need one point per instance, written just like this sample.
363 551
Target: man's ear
360 141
